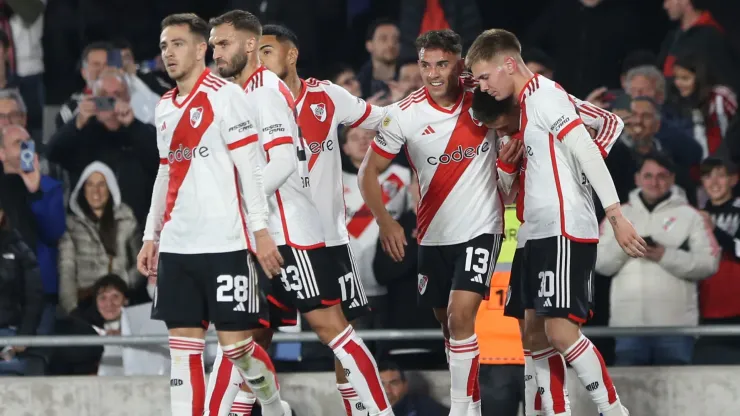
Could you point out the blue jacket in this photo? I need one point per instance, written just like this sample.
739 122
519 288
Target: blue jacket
48 207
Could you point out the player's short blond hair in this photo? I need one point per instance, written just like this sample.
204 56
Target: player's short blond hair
491 43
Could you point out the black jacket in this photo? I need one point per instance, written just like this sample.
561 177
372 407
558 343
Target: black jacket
414 405
463 17
21 294
131 152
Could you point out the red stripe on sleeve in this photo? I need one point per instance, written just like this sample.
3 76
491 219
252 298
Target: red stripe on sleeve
162 161
573 124
364 117
243 142
278 142
380 151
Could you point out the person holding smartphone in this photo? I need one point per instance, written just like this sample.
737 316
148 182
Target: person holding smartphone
106 129
659 289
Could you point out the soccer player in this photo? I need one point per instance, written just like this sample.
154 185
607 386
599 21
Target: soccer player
563 162
460 212
322 107
504 117
194 241
308 281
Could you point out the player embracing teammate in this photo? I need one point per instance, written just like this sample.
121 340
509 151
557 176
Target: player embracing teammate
563 163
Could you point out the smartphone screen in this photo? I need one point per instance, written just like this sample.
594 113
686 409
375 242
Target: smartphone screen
28 152
115 59
104 103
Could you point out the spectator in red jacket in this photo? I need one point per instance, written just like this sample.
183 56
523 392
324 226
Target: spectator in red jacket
718 294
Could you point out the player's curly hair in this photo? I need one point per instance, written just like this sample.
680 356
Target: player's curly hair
446 40
487 109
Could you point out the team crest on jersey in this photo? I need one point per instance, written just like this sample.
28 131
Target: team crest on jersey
390 188
668 223
423 280
386 121
196 116
319 111
475 120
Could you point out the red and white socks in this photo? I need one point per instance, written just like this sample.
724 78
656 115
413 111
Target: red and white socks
352 403
589 365
187 378
361 371
464 367
243 404
550 374
258 371
532 398
223 386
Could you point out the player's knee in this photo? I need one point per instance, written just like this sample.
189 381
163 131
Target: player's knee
461 322
263 337
561 333
327 323
184 330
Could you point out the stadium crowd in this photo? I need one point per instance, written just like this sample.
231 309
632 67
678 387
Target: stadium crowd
75 193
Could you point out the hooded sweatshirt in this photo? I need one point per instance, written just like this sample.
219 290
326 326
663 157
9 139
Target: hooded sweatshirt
82 256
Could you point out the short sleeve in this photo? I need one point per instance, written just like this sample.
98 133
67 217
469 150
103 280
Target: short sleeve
237 128
275 117
555 110
390 139
354 111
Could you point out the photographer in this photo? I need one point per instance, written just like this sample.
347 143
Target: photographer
21 296
106 130
34 204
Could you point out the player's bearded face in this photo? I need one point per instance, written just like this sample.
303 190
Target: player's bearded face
232 61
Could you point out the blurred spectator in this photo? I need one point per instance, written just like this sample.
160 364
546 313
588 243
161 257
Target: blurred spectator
700 34
104 315
142 78
112 135
362 228
27 27
382 44
676 138
587 40
7 78
604 97
404 403
420 16
143 99
105 310
344 76
661 288
94 60
641 129
101 237
34 204
718 295
409 76
538 62
13 110
698 96
21 296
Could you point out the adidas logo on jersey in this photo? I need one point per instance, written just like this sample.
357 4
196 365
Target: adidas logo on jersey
428 130
548 303
477 279
354 304
240 307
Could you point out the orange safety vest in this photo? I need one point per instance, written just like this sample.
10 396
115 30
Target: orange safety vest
499 338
